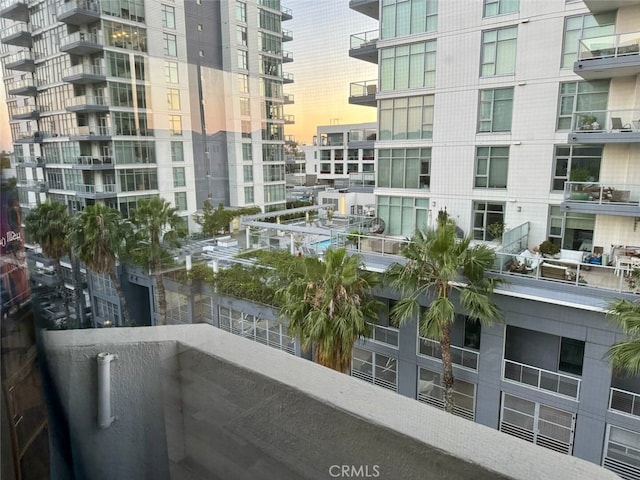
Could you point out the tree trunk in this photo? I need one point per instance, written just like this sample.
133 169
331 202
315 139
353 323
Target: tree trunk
61 291
447 368
78 291
123 301
161 299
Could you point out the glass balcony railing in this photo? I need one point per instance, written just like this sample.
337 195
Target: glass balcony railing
385 335
86 100
463 357
542 379
94 161
606 121
86 5
83 70
94 38
287 77
92 189
363 89
364 39
362 179
287 35
624 402
23 56
287 56
289 119
622 44
15 29
602 193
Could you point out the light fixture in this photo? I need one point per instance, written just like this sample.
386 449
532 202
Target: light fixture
519 208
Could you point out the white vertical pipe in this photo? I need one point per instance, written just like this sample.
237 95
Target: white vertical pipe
105 419
188 262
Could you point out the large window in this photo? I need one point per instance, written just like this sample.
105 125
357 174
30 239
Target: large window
486 214
500 7
432 392
576 163
180 200
374 368
125 36
582 97
177 152
171 72
402 215
584 26
133 152
175 125
492 165
498 52
173 99
408 66
622 452
168 15
179 177
406 118
404 168
406 17
132 180
496 108
571 230
248 195
170 45
241 11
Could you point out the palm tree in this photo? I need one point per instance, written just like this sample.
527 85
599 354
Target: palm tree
48 224
157 225
439 264
625 356
97 238
328 303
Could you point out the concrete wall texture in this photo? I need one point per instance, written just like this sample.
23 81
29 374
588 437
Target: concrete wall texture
196 402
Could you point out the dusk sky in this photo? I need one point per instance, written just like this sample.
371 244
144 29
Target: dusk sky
322 68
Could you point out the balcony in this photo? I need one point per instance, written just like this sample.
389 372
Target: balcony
84 74
289 119
18 35
598 6
90 133
30 137
87 103
463 357
79 12
287 13
608 57
30 161
287 77
605 126
81 43
370 8
540 379
602 198
33 185
363 93
363 46
27 112
22 61
622 401
17 10
287 56
287 35
25 88
362 179
88 162
288 99
96 191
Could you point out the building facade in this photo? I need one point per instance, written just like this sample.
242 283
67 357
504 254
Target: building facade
116 101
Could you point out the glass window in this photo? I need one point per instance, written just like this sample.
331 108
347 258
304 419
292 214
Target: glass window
406 17
243 83
571 230
402 215
241 35
491 167
241 11
590 98
175 125
173 98
246 152
248 195
121 35
247 171
498 52
484 215
494 114
177 153
243 59
178 177
171 72
180 200
623 450
404 168
584 26
500 7
576 163
170 45
408 66
571 356
168 14
406 118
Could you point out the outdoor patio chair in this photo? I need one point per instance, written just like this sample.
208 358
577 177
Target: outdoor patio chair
616 124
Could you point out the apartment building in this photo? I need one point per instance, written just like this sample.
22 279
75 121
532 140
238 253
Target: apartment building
523 115
116 101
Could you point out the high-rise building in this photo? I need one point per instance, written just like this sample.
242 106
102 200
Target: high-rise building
114 101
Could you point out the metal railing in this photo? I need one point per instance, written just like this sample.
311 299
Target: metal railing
288 77
81 37
25 110
463 357
541 379
90 130
362 89
88 5
24 83
288 34
8 3
609 121
609 46
624 401
84 69
602 192
87 100
364 39
90 160
385 335
288 98
24 55
286 55
289 119
105 188
15 29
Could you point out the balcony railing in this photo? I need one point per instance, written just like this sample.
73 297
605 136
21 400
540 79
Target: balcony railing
287 56
287 13
89 131
26 110
287 77
540 379
83 70
461 356
609 46
30 161
94 38
83 100
289 119
91 189
624 401
386 335
22 56
288 98
87 5
602 193
607 121
90 160
362 179
363 89
287 35
25 83
364 39
15 29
